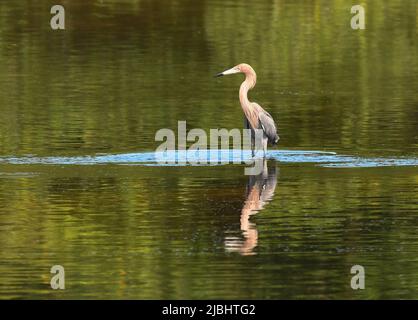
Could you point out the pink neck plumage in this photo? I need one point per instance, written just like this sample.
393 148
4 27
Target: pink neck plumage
248 84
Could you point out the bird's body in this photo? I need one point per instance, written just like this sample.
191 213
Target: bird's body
256 118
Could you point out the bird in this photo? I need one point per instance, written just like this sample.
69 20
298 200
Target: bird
256 118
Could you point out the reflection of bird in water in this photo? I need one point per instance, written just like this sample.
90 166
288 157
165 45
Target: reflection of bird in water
260 191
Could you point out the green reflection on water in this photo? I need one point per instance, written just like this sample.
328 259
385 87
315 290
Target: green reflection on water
124 69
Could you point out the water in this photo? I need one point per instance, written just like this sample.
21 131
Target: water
204 157
80 187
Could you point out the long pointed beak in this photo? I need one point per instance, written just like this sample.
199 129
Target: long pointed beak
229 71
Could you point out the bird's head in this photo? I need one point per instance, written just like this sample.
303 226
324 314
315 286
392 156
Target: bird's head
241 68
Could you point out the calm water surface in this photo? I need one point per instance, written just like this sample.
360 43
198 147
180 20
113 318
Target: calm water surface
124 69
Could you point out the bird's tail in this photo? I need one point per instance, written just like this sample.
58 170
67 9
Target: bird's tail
276 140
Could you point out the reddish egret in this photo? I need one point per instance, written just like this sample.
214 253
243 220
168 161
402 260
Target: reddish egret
255 116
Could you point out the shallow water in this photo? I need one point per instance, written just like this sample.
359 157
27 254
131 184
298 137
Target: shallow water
217 157
80 185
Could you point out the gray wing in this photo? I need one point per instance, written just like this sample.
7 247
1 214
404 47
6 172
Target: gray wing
268 126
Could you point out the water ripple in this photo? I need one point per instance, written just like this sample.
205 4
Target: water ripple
214 157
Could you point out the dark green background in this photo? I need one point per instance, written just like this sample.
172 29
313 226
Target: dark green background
124 69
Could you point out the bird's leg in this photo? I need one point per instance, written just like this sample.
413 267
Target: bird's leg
265 140
253 143
252 135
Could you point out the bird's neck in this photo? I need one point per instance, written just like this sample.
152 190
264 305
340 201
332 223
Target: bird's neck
248 84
